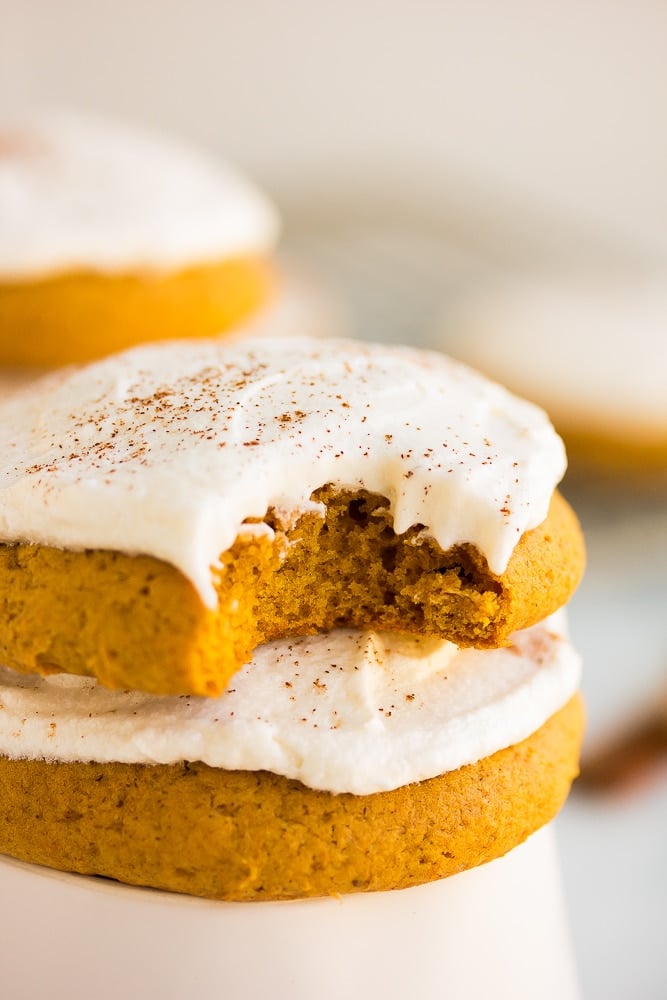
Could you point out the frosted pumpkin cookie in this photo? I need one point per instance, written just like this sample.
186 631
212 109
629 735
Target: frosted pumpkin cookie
590 350
112 236
347 762
167 510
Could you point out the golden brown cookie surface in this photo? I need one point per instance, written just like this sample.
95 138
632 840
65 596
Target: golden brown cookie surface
136 622
49 322
242 835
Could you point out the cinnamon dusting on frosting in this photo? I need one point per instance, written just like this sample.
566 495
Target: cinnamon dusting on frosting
170 449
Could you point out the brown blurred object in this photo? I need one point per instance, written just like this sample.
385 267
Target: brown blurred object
632 757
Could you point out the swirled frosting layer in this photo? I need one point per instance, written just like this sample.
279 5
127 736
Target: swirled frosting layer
347 711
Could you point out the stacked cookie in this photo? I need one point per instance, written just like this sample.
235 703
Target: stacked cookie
113 236
281 619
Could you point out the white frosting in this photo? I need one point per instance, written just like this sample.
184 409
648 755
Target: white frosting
347 712
167 449
591 351
82 193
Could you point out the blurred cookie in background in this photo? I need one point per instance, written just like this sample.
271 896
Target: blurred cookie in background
301 306
590 349
111 235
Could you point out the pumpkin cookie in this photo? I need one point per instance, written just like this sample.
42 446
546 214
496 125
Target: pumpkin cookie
166 510
344 763
112 236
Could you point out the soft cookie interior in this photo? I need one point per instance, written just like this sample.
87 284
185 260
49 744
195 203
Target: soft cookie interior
136 622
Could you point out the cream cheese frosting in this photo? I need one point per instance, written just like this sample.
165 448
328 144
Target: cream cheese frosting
81 193
346 711
167 449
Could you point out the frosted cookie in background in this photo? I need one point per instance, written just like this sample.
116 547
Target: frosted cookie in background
111 235
592 350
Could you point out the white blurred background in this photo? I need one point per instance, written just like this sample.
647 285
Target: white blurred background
415 147
556 108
